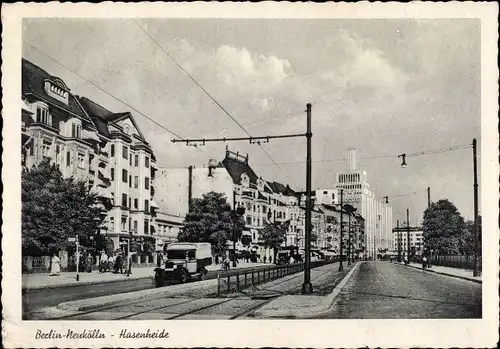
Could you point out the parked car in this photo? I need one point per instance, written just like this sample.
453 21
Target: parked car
184 262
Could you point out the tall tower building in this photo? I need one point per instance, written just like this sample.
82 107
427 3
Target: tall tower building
377 214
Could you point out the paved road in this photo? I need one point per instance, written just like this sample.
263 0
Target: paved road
383 290
40 298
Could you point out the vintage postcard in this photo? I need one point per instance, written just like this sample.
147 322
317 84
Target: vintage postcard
250 175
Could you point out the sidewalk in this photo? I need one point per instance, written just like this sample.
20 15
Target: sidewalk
307 306
454 272
44 280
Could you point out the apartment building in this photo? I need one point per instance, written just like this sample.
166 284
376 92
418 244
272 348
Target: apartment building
89 142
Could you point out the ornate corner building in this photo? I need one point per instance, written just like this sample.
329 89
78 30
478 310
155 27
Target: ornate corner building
89 142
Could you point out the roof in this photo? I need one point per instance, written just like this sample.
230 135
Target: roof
236 168
98 113
33 82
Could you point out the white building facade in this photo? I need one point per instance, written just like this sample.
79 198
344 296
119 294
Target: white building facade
377 214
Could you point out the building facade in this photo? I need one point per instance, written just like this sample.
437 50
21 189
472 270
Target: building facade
378 215
91 143
400 240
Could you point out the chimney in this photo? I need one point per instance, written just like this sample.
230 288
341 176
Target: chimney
351 159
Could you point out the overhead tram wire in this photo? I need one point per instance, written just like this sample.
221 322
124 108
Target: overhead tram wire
210 96
112 96
414 154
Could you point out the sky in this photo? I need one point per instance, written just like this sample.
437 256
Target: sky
382 86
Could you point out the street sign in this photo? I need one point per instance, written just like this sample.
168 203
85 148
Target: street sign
72 239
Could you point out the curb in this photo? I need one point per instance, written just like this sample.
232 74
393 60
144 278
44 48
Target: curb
83 283
105 301
443 273
316 310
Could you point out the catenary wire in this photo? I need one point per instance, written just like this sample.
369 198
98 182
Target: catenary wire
210 96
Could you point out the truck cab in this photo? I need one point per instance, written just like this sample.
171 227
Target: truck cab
183 262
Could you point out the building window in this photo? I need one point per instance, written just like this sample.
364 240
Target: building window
146 183
76 130
42 115
136 181
112 150
146 206
129 202
112 174
81 160
124 200
130 181
146 226
146 163
130 160
137 161
46 145
91 184
111 223
68 158
135 226
125 152
136 204
124 223
249 220
124 176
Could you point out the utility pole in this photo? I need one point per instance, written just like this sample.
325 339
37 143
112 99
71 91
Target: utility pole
477 244
349 241
399 240
306 286
408 233
341 267
234 228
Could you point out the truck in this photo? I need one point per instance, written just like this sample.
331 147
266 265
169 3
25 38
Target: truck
184 261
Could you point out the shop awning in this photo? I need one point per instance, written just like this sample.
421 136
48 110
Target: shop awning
153 165
153 204
86 134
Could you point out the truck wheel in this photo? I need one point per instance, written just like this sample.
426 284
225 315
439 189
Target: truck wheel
203 273
184 276
159 280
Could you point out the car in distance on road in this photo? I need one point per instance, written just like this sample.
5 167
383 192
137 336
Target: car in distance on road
184 261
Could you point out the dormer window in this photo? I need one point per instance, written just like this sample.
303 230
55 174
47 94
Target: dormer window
56 90
76 130
245 181
42 114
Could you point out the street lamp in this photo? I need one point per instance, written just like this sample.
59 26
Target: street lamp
403 163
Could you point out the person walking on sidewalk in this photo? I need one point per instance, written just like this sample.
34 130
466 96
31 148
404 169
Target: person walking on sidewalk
55 265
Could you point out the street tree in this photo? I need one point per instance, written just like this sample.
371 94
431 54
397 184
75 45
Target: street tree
211 219
273 235
466 243
55 208
442 227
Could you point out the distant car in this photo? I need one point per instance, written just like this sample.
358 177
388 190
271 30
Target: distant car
184 262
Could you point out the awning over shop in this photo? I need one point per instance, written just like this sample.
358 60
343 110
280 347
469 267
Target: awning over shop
153 204
104 172
86 134
153 165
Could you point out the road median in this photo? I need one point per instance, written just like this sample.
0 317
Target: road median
303 306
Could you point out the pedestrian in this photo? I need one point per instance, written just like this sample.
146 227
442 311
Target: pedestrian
118 264
89 263
271 259
291 261
55 265
424 262
265 259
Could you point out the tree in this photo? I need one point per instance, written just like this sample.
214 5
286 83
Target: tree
55 208
442 227
212 220
273 235
466 243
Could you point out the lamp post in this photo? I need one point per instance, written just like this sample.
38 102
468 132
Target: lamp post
349 241
408 233
341 267
307 286
399 240
477 244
